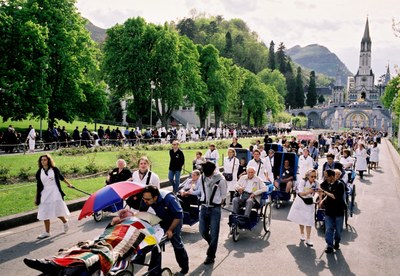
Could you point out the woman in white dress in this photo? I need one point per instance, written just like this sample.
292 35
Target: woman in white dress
374 155
302 213
49 195
361 159
231 166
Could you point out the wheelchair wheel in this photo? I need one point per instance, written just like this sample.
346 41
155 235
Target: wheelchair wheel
166 271
235 233
124 273
353 197
267 216
98 216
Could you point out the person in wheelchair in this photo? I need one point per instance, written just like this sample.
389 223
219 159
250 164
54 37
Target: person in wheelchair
285 181
249 190
186 189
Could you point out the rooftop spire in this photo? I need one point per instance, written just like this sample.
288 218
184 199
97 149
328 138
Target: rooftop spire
366 37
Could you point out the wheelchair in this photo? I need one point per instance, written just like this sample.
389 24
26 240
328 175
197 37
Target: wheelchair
261 212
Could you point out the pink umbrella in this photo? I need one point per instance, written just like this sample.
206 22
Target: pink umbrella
109 195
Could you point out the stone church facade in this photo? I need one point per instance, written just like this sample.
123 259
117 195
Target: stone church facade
358 104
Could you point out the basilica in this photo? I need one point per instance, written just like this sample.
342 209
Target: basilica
357 104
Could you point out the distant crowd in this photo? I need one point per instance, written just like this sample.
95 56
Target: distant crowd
59 137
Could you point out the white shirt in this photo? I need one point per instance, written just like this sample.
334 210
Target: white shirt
305 164
154 179
263 169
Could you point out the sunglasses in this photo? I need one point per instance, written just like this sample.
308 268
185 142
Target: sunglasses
147 199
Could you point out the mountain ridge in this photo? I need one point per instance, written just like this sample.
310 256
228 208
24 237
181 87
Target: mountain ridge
320 59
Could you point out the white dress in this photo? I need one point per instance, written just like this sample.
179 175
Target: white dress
361 161
228 164
374 155
300 212
31 138
51 203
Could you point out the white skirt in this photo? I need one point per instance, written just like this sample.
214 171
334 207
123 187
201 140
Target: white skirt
302 213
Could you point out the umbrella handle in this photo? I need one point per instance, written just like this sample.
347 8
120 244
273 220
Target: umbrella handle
80 190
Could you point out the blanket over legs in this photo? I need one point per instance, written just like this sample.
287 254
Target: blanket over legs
115 241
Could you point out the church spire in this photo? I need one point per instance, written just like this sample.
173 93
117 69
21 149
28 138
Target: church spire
366 40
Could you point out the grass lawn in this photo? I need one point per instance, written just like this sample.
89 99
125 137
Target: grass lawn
17 198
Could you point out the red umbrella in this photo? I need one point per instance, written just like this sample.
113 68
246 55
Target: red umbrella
109 195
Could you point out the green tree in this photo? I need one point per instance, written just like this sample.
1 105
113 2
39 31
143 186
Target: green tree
23 63
274 78
290 100
187 27
281 58
126 63
271 56
209 68
299 92
71 60
391 98
228 50
312 91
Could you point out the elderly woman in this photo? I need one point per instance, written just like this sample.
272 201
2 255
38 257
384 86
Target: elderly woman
190 185
120 173
231 166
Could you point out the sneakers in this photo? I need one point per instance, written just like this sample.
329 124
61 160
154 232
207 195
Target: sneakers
329 250
66 227
309 243
43 235
302 237
336 246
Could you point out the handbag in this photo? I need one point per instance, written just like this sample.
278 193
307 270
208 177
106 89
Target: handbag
229 176
307 200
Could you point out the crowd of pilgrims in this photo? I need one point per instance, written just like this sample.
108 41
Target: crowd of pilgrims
10 138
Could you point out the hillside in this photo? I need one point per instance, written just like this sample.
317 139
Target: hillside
321 60
96 33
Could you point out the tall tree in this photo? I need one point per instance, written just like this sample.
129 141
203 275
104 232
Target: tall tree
281 58
290 100
271 56
23 63
187 27
228 50
299 89
126 63
71 58
312 91
209 68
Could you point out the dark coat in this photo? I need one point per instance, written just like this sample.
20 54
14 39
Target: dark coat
58 176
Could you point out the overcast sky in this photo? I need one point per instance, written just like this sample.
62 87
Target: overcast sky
335 24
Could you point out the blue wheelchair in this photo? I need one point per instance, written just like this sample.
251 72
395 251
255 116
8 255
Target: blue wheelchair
261 212
280 196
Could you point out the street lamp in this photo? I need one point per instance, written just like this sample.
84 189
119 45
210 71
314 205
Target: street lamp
152 87
241 116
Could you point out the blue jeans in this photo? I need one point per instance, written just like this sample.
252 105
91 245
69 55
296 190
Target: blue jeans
333 229
181 255
210 218
174 182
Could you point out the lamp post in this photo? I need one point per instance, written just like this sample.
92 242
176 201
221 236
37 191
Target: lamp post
241 116
152 86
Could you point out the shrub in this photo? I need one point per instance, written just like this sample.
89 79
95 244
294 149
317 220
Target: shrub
24 173
4 174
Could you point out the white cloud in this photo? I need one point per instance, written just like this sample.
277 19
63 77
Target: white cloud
337 25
